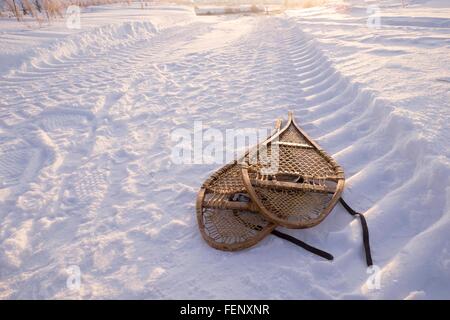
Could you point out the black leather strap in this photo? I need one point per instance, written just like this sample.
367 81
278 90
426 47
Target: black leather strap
365 230
302 244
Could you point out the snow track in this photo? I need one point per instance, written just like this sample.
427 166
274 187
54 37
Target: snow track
86 176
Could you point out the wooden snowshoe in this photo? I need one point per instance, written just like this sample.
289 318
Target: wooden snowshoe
227 219
305 185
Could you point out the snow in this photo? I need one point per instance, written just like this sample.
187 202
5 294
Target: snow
86 177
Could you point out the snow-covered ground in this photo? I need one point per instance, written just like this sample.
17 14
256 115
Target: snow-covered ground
87 181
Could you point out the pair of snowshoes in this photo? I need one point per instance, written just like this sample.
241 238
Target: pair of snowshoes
287 180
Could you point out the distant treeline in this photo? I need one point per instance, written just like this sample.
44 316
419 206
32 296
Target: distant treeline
46 9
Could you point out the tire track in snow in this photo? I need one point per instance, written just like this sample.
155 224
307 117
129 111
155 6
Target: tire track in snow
73 200
386 160
272 72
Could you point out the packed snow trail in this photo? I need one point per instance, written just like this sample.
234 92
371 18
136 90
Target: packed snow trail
88 181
